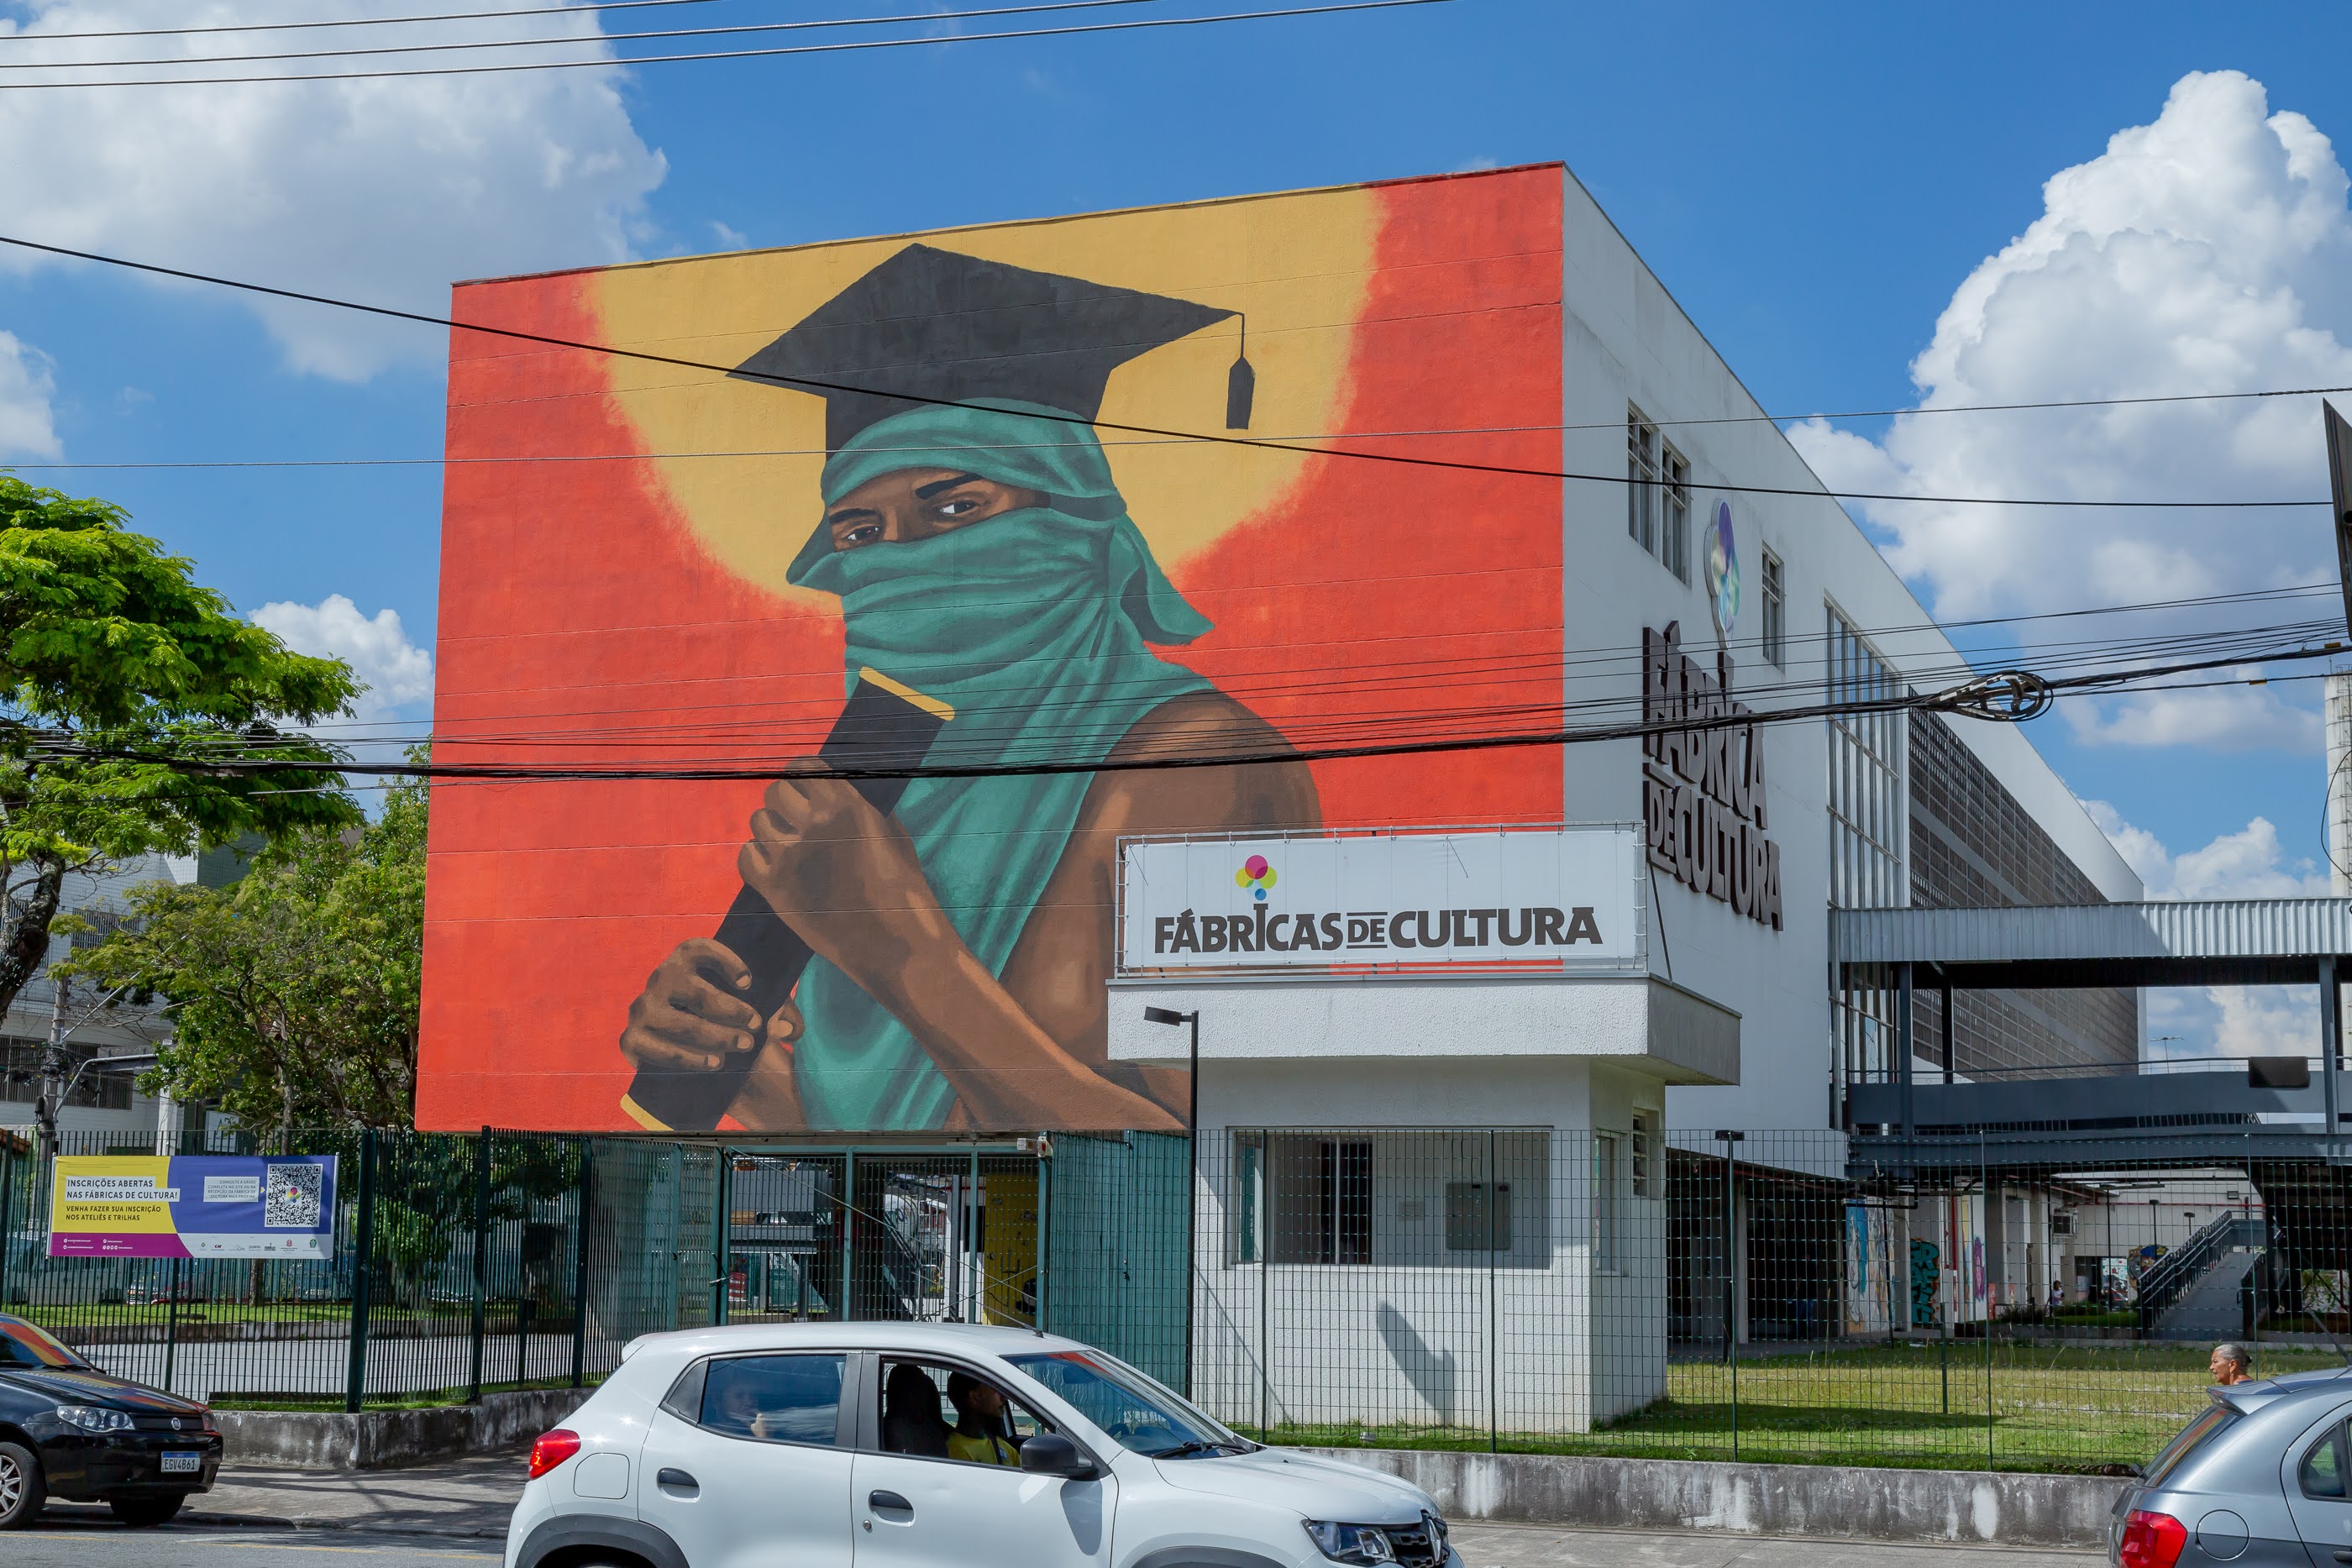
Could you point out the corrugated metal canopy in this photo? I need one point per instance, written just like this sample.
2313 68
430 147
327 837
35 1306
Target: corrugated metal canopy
2188 942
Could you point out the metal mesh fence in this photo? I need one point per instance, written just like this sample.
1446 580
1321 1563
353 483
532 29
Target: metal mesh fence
1747 1296
1753 1295
461 1265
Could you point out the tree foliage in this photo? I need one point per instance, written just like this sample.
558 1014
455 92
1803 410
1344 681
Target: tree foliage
293 992
124 687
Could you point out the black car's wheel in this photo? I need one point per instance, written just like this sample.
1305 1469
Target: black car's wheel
21 1491
145 1513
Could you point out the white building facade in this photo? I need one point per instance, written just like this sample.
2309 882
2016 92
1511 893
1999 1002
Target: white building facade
1394 1103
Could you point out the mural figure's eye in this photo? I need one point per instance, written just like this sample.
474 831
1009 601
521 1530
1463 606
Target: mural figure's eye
863 534
958 506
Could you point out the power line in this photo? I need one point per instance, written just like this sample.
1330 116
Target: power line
810 385
597 37
353 21
1969 698
1332 8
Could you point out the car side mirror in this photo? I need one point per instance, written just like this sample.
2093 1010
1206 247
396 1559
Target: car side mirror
1051 1453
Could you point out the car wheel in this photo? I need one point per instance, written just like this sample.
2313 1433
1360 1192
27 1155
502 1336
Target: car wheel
146 1512
21 1491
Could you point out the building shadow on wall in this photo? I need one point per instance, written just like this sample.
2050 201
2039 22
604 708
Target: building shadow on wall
1431 1372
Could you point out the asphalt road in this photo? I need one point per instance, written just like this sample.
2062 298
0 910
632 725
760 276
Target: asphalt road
88 1539
61 1541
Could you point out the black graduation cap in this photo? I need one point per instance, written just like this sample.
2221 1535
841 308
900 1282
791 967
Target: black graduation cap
932 326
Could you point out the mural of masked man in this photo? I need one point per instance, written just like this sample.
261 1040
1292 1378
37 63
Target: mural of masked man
983 558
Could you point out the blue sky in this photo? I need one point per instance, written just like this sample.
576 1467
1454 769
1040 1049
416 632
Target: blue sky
1812 181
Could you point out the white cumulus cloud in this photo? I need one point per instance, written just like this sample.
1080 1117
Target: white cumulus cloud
2223 1020
27 425
397 672
383 190
2208 251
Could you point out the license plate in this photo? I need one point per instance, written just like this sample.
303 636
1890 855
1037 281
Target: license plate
178 1464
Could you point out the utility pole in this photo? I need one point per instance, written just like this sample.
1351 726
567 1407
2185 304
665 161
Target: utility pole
53 1068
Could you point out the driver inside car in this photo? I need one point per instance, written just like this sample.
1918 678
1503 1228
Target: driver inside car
980 1435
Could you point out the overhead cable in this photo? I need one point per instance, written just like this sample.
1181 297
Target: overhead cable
597 37
812 384
1332 8
1977 697
353 21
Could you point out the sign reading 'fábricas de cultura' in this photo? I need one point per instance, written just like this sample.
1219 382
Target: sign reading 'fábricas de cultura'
1549 897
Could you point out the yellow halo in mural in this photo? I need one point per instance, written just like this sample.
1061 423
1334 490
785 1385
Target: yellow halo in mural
1294 265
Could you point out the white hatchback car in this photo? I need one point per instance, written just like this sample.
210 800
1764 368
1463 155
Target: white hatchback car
933 1446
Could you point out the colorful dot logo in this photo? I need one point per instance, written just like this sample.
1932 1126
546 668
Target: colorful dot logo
1256 874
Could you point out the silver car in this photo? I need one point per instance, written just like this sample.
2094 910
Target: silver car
2261 1478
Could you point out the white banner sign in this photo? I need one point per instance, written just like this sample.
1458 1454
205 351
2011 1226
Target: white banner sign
1549 898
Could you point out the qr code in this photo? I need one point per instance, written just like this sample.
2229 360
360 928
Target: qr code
290 1196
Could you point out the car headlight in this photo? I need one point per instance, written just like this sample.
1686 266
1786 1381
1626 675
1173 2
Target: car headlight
90 1418
1351 1542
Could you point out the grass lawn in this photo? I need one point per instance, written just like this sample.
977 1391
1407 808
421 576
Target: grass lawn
91 1315
2053 1408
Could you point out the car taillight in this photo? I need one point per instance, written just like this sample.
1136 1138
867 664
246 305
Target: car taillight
2151 1540
554 1447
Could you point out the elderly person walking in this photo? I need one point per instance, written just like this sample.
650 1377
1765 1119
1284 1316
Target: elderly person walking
2230 1363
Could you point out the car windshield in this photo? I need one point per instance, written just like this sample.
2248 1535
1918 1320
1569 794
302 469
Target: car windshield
1131 1408
2215 1418
23 1344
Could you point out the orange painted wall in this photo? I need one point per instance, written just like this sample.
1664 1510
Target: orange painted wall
577 604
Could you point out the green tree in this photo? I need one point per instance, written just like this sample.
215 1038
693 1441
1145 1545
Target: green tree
127 686
293 992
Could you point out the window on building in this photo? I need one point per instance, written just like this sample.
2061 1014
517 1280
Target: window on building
1246 1212
1772 590
1657 495
1868 817
1605 1201
1869 829
20 1077
1642 480
1478 1217
1674 515
1301 1199
1644 1152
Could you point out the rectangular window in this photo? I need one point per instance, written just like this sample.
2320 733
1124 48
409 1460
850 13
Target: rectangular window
1774 592
1644 1151
1642 480
1320 1200
1604 1202
1674 523
1246 1210
774 1399
1478 1217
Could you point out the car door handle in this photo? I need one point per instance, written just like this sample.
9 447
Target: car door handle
2343 1557
890 1502
678 1481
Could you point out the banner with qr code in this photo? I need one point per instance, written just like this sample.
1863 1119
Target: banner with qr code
192 1206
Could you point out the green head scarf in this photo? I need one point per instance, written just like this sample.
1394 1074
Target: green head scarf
1035 625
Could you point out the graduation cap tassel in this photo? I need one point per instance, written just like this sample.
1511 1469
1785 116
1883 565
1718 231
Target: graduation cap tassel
1241 385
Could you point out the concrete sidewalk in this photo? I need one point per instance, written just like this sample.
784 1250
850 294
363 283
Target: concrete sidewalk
469 1498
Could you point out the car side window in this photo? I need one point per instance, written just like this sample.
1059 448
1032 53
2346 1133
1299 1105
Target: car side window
929 1412
2324 1467
684 1399
774 1399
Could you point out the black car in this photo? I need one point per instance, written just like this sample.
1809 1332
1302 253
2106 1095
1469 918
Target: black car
68 1430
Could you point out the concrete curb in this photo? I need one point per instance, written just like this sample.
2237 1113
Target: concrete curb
378 1439
1930 1506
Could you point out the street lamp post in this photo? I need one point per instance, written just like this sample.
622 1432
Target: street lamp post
1192 1166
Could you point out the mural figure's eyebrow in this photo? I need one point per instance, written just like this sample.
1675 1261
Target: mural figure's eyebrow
925 492
846 513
